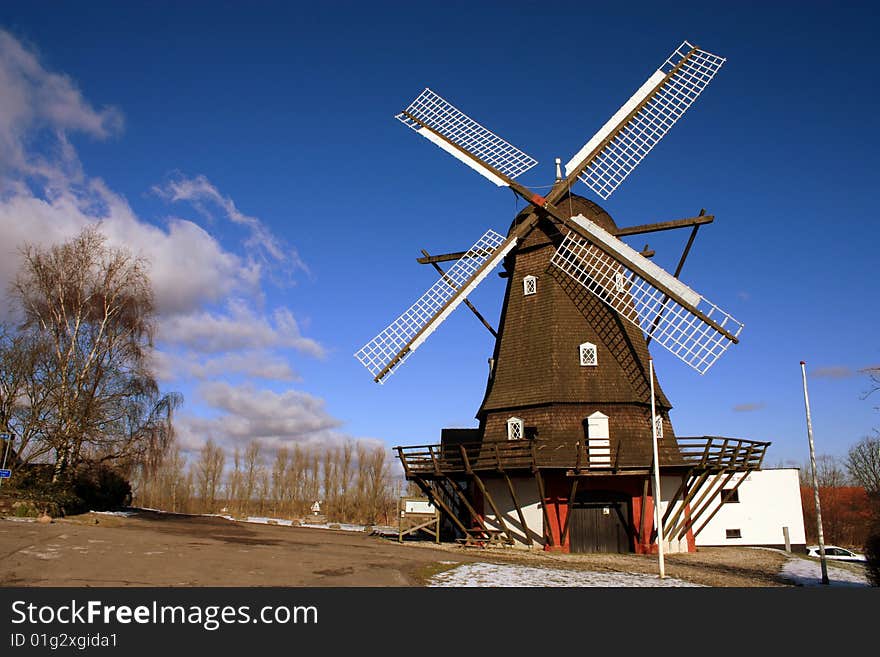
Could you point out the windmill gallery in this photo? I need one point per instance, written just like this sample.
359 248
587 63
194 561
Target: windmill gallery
572 417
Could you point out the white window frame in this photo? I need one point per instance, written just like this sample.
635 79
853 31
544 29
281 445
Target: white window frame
659 427
598 441
599 428
515 426
583 350
530 285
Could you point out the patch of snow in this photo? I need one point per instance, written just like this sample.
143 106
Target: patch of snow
337 525
498 575
805 572
260 520
17 519
121 514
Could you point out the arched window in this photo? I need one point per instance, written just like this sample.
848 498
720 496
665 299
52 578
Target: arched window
588 354
530 285
515 429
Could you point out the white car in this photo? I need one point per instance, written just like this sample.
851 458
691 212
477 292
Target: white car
836 553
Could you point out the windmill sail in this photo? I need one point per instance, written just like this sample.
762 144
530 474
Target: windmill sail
384 353
466 140
677 317
623 142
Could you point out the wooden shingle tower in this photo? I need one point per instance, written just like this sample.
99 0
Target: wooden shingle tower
564 449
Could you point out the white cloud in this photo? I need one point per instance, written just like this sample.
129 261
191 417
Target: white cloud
238 328
275 419
258 364
37 100
833 372
749 407
199 190
188 266
46 197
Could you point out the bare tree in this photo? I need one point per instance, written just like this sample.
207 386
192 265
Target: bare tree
873 374
234 483
25 403
863 463
377 479
252 467
209 473
92 308
279 478
344 480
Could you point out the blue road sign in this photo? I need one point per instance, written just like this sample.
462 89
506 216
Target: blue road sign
5 474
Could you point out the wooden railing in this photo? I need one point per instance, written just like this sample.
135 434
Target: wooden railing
706 452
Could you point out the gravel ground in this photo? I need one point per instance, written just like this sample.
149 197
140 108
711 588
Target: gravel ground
157 549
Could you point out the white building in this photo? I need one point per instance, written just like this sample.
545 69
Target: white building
757 512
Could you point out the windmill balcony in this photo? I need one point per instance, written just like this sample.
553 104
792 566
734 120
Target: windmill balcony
706 453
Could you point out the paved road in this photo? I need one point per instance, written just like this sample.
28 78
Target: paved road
153 549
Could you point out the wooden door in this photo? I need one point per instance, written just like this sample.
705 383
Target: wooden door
599 526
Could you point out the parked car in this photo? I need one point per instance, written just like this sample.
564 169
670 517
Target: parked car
836 553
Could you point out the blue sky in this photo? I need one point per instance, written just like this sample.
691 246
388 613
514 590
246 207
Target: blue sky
252 151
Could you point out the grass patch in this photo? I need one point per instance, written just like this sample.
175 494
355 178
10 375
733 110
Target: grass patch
425 573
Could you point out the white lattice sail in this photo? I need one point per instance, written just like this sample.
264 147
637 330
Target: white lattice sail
639 301
628 141
383 354
483 146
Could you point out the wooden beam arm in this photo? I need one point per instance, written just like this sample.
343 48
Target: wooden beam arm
664 225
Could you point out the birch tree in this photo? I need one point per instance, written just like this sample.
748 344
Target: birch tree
91 306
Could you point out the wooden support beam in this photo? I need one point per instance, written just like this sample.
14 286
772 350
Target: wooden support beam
712 515
692 490
444 257
513 497
691 518
403 462
702 496
519 511
466 302
706 494
548 533
681 489
437 469
664 225
564 534
479 482
642 509
476 516
700 512
438 501
684 255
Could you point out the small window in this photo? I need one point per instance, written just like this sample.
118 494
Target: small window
729 496
530 285
659 424
515 429
589 358
733 533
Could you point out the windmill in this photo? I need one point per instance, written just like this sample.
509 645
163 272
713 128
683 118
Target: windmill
558 418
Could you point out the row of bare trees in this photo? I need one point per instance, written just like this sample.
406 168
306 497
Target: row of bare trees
75 379
351 482
849 494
